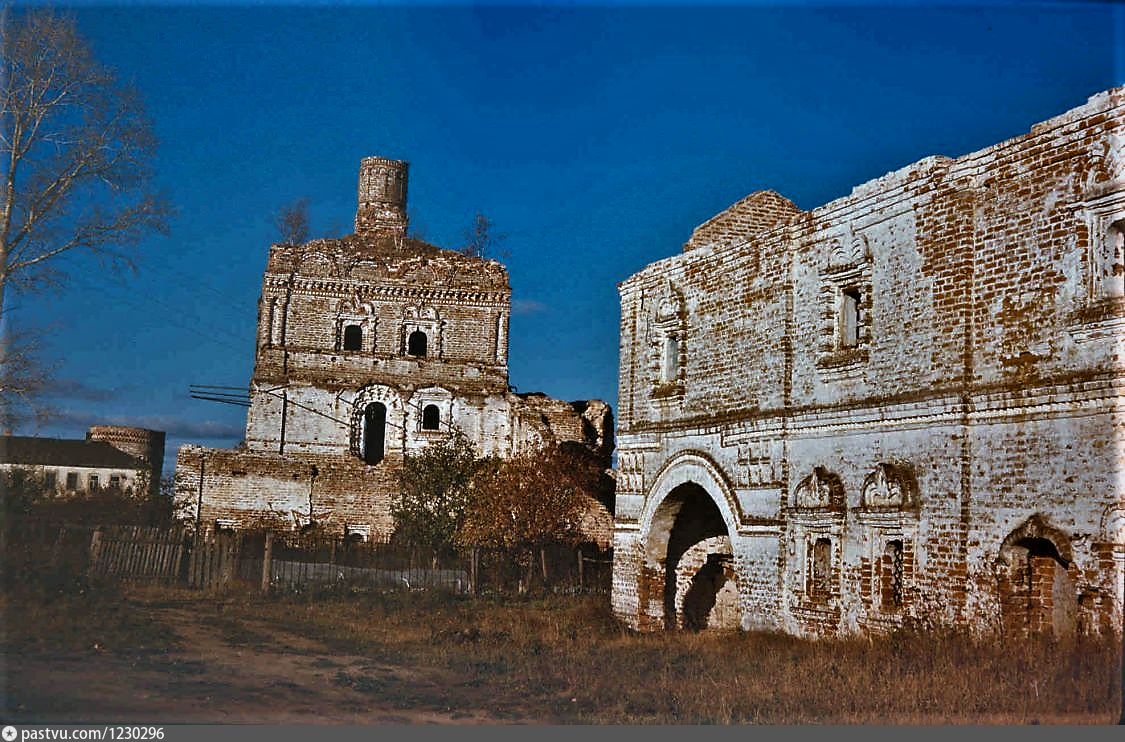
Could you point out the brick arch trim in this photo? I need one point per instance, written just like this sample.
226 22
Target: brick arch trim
688 467
395 415
1037 526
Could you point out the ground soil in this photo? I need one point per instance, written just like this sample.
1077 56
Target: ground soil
212 677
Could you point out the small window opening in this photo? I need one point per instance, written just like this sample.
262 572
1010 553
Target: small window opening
416 343
51 479
72 480
670 363
820 573
374 432
353 337
1113 271
849 318
115 481
891 587
93 482
431 417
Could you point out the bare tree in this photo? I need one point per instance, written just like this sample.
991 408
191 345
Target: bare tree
75 151
482 240
292 223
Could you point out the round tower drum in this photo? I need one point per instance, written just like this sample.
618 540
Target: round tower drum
382 195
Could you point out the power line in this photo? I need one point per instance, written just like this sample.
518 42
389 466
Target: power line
240 397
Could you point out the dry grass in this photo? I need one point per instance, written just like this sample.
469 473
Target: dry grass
564 659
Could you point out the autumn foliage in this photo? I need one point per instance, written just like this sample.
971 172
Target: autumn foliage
451 498
532 500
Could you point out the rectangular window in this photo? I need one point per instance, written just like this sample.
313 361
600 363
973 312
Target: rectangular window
820 568
849 318
1110 277
72 480
891 577
93 482
51 479
353 337
115 481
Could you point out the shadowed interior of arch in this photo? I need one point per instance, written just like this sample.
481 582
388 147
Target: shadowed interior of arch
687 516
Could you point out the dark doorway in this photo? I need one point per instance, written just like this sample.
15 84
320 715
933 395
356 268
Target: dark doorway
374 432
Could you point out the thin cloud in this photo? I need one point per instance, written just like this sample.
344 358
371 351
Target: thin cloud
173 427
78 390
528 306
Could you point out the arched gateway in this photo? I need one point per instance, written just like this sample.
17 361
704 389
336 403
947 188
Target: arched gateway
685 571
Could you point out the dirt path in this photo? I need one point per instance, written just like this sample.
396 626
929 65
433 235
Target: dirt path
262 675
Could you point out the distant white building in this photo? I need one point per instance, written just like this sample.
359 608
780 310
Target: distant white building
110 457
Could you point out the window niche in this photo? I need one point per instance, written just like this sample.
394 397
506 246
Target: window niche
820 568
374 433
888 516
421 333
846 302
353 337
816 514
416 344
355 330
669 330
1102 310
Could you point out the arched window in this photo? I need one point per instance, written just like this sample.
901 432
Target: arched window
416 343
374 432
431 417
353 337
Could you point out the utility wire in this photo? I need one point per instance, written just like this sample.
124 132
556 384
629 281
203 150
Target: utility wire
236 396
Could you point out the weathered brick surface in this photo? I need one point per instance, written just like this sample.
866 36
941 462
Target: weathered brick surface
925 375
340 330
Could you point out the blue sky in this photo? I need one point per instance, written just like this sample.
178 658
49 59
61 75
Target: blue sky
596 137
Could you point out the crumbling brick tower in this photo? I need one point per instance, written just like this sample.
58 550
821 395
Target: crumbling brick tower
371 346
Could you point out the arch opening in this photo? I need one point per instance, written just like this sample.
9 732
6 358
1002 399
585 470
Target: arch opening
431 417
416 343
1036 585
374 432
695 579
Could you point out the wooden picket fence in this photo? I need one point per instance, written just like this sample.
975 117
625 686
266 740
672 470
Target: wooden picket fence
210 560
137 553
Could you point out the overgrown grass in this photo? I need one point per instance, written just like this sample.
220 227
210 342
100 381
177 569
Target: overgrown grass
565 659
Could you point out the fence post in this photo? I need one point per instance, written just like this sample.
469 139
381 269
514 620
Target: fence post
95 548
473 570
267 562
581 582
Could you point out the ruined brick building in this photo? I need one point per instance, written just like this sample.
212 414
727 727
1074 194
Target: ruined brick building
904 404
369 347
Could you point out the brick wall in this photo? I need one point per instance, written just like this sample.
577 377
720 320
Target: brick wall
944 346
